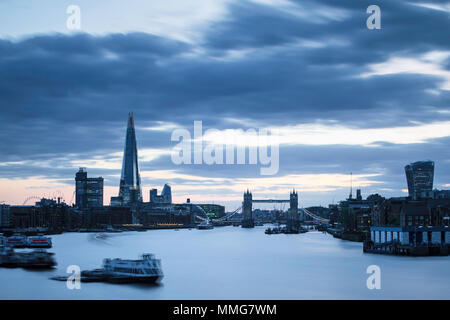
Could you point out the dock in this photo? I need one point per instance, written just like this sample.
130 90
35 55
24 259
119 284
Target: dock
412 241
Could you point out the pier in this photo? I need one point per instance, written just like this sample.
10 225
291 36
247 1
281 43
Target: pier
412 241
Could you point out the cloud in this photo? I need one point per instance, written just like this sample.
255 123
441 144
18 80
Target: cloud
435 6
428 64
330 134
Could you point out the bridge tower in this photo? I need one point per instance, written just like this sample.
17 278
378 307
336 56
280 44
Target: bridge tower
248 221
293 221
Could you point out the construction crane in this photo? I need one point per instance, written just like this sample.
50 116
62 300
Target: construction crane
71 199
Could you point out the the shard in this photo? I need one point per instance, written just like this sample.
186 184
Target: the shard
130 181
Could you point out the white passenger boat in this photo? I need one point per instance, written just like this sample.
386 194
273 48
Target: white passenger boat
39 242
145 270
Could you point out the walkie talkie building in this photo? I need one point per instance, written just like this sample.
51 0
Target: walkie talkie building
420 176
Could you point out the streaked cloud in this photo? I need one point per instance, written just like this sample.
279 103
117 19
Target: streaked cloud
445 7
331 134
431 63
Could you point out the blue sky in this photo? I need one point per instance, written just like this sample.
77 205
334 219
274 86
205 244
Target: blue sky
342 98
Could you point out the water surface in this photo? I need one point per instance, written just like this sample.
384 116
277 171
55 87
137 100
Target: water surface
234 263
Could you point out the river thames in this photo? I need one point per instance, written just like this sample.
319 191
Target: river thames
234 263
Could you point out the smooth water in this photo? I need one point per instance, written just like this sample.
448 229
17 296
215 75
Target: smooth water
234 263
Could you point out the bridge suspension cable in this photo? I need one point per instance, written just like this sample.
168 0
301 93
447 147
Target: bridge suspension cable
228 216
314 216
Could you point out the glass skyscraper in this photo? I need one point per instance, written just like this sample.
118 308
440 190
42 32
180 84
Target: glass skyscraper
419 176
130 181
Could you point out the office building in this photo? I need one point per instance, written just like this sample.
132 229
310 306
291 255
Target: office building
419 176
165 197
4 215
88 191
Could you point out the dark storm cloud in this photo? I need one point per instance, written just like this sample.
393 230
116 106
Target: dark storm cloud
66 98
405 27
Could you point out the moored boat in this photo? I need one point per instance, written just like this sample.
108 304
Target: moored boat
8 258
17 241
39 241
36 259
205 225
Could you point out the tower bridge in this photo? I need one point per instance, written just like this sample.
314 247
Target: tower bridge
293 221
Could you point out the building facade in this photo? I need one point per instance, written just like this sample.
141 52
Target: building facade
152 214
213 211
356 214
46 214
165 197
107 216
4 215
407 213
88 191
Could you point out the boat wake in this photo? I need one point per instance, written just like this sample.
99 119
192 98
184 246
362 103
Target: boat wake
101 237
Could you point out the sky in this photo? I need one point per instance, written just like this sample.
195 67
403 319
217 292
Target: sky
338 97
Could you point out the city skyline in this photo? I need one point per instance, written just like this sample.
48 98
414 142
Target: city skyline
130 173
343 98
224 158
